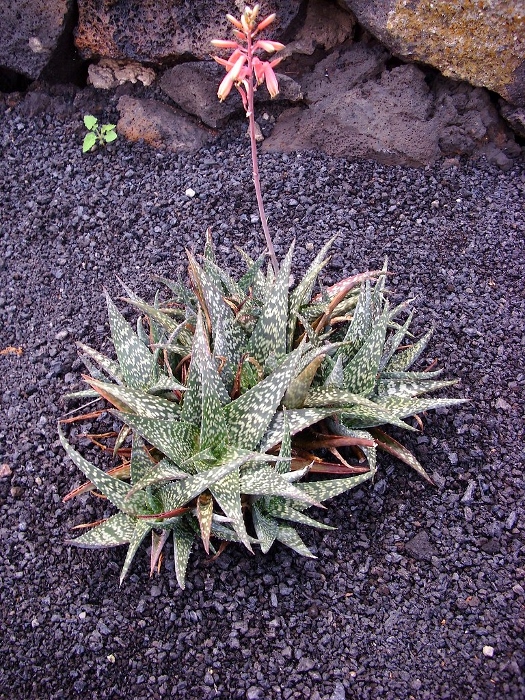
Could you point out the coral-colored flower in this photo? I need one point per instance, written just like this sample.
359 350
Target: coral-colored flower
268 46
271 79
231 77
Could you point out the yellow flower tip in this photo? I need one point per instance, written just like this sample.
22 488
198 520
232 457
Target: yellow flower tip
269 46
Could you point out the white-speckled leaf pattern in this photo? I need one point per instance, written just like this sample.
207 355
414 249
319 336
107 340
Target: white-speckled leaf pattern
289 537
109 366
178 440
323 490
139 533
114 489
250 414
136 362
285 511
269 334
131 400
266 528
116 530
361 372
401 361
262 480
182 544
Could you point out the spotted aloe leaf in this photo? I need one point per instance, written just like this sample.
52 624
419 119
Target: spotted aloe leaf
140 531
289 537
205 517
285 451
178 440
394 342
183 539
303 292
116 530
141 461
279 508
213 432
114 489
353 406
407 388
258 480
158 540
249 416
361 372
360 326
401 361
298 388
387 443
405 407
110 367
137 362
323 490
127 399
269 334
299 419
266 527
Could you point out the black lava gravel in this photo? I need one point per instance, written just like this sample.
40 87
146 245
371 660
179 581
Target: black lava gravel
419 593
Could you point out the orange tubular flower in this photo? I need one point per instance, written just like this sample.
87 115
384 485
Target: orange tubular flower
271 80
265 23
231 77
223 44
268 46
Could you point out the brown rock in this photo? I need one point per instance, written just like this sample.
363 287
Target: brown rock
107 73
160 31
359 110
193 86
159 125
325 27
29 34
483 44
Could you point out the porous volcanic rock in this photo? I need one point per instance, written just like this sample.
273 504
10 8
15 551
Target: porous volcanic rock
193 87
107 73
30 31
160 31
482 43
360 107
159 125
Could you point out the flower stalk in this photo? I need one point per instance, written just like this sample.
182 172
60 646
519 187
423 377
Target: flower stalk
242 67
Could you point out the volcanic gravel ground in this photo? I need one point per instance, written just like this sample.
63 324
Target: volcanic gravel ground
419 592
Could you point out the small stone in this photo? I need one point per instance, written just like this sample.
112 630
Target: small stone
61 335
488 651
5 470
518 589
339 692
254 693
305 664
190 193
111 658
503 405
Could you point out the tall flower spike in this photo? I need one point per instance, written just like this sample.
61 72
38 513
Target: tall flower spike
243 66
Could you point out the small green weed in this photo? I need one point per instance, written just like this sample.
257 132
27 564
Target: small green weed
101 135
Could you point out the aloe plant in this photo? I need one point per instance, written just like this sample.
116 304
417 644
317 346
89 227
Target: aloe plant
232 392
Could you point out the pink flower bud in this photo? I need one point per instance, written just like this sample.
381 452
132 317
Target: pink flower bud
224 44
268 46
230 78
271 80
234 21
265 22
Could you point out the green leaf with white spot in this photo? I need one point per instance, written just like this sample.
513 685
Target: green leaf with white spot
285 511
131 400
323 490
289 537
401 361
109 366
249 416
112 488
139 533
269 334
266 528
116 530
182 544
261 480
137 363
178 440
361 372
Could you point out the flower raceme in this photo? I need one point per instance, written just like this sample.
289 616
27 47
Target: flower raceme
243 63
